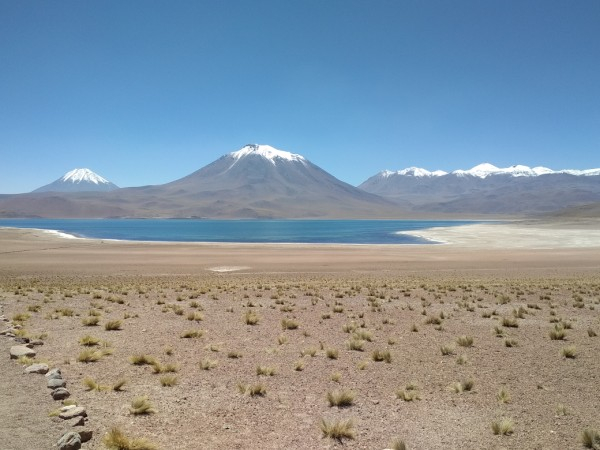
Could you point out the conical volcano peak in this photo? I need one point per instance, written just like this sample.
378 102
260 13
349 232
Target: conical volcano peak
267 152
79 175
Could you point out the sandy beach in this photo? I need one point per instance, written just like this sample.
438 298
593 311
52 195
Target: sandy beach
434 343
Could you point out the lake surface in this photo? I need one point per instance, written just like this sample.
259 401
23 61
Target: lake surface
250 231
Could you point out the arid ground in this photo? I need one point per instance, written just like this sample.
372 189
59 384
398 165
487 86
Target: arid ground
432 345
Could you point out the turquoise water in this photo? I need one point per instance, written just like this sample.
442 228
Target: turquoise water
255 231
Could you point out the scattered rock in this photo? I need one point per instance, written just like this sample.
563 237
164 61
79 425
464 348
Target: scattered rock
74 412
86 435
16 351
37 368
78 421
67 408
60 393
7 332
36 342
54 373
22 340
69 441
54 383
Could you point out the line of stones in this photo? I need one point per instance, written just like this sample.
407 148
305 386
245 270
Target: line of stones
75 415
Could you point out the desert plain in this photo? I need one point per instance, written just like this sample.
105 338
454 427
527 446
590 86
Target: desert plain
488 341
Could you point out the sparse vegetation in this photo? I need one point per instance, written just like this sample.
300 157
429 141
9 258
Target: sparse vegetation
338 429
341 398
115 439
141 405
503 427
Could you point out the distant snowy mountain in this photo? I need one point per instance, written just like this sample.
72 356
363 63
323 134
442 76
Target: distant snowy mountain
486 188
79 180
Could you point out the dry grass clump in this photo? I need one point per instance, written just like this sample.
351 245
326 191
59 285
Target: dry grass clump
141 405
92 385
264 370
591 332
356 344
115 439
503 427
463 386
89 341
208 364
141 360
397 444
332 353
289 324
465 341
341 399
448 349
363 335
251 318
253 390
409 394
118 386
558 333
503 396
510 322
338 429
91 321
590 439
381 355
89 355
168 380
511 342
113 325
195 315
190 334
570 351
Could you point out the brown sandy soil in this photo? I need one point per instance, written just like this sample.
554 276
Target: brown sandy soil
332 292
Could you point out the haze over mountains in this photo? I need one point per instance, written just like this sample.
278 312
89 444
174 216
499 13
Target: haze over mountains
259 181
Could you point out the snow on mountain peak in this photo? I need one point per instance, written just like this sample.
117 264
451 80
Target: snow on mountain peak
416 172
83 175
267 152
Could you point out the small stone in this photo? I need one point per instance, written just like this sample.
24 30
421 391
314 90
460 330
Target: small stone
78 411
22 340
54 383
54 373
69 441
37 368
67 408
8 331
16 351
36 342
60 393
86 435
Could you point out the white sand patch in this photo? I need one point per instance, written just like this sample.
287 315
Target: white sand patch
512 235
227 268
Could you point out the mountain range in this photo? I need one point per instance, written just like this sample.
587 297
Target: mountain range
259 181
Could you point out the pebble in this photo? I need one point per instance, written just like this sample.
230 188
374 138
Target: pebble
17 351
37 368
69 441
54 373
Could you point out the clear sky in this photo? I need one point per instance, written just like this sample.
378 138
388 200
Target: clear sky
145 92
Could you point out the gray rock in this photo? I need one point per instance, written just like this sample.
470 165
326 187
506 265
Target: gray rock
54 373
54 383
74 412
86 435
16 351
60 393
36 342
37 368
69 441
22 340
78 421
8 331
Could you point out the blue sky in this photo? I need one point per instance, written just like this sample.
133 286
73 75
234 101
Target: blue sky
145 92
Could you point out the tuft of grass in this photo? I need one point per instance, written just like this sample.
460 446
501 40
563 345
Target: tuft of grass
591 332
338 429
264 370
91 321
190 334
465 341
397 444
299 366
561 410
570 351
289 324
141 360
509 322
208 364
503 427
341 399
381 355
168 380
356 344
195 315
558 333
115 439
503 396
89 341
462 360
310 351
282 339
332 353
448 349
118 386
590 438
233 354
253 390
462 386
88 356
408 395
336 376
92 385
363 335
113 325
141 405
511 342
251 318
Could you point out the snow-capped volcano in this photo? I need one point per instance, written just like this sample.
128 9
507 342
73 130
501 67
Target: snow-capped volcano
79 180
267 152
